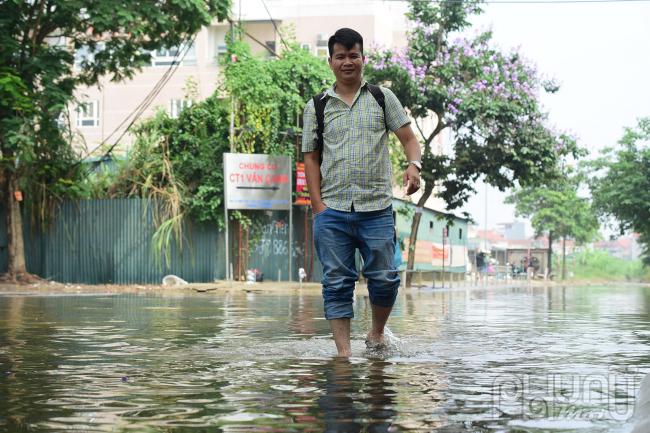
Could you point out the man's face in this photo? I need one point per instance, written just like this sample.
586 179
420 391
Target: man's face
347 65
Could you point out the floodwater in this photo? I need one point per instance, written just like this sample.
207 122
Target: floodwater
485 360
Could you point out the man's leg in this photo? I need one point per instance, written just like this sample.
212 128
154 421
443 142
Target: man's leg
335 247
377 246
341 333
379 319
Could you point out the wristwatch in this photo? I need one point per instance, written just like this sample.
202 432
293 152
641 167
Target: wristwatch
417 165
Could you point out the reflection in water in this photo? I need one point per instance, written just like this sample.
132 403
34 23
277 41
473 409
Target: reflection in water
381 398
517 359
339 412
355 402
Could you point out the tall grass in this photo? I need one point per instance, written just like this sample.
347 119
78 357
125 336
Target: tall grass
600 265
148 173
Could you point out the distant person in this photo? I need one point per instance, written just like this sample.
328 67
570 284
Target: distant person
480 262
351 191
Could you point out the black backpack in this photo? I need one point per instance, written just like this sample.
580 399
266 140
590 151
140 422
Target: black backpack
320 101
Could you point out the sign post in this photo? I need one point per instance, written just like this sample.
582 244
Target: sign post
302 193
303 199
257 181
445 233
225 208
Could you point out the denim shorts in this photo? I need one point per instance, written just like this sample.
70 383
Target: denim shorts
337 236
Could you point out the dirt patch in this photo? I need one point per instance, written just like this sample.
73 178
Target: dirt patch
52 287
285 287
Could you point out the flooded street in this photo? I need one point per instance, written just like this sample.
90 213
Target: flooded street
494 360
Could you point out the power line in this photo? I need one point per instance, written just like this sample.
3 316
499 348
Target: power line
140 105
169 74
254 39
269 49
155 91
523 2
275 25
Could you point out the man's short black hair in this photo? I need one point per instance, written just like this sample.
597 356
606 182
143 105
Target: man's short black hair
346 37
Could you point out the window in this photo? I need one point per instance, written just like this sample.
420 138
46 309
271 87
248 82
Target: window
80 55
84 54
61 120
460 234
173 55
222 50
178 105
190 57
56 41
321 46
271 46
88 114
430 225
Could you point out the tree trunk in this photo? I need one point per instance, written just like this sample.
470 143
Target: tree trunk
415 224
564 257
428 189
15 245
550 254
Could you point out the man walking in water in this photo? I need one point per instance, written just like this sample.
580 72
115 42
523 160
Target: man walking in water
348 170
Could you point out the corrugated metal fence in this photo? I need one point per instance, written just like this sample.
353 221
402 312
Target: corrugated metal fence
110 241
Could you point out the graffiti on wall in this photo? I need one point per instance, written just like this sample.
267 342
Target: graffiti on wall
275 241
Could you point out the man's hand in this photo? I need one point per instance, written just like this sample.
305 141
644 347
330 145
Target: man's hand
412 149
411 179
312 173
318 207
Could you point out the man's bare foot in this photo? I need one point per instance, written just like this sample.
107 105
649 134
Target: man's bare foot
375 341
344 354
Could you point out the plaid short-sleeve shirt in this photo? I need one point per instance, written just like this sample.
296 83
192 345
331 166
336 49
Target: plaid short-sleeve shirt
356 165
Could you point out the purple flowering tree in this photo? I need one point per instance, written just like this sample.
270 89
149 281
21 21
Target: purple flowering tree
488 99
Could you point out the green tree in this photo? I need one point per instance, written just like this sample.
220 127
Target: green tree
38 79
270 95
487 100
558 212
621 183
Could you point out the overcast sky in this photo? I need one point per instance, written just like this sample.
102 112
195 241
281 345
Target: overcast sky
600 55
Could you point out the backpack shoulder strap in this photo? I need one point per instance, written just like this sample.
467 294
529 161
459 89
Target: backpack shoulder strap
378 94
320 101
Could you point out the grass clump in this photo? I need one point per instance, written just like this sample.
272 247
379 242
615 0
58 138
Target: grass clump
600 265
